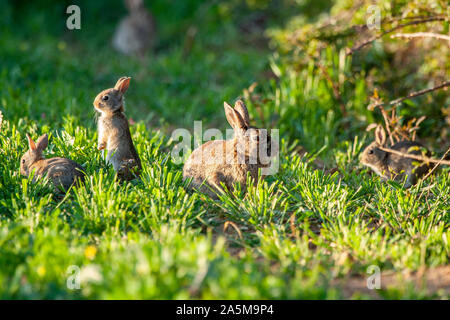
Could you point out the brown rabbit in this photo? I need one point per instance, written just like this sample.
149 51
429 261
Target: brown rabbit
63 172
229 161
393 166
135 33
114 133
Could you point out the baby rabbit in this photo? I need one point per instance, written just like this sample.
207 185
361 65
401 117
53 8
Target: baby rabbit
229 161
135 34
63 172
114 133
393 166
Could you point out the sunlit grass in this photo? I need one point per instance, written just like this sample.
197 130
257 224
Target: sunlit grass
288 237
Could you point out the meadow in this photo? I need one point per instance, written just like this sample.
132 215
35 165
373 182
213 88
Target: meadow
317 229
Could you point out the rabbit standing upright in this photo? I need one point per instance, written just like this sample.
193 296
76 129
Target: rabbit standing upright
63 172
114 133
393 166
135 33
229 161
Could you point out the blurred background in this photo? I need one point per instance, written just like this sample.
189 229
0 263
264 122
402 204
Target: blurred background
288 59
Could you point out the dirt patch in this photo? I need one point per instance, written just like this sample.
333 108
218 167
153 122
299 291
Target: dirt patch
430 280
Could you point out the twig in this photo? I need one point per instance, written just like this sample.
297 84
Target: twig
398 131
414 94
437 164
378 36
235 227
387 122
421 35
294 232
384 21
417 17
416 157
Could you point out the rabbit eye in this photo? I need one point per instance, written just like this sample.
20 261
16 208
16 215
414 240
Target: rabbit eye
371 151
105 98
23 161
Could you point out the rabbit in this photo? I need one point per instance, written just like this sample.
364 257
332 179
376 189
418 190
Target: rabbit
228 161
136 33
63 172
114 132
393 166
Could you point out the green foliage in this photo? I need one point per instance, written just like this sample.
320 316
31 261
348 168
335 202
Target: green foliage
324 57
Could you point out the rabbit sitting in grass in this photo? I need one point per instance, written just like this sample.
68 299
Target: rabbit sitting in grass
393 166
114 132
63 172
136 32
229 161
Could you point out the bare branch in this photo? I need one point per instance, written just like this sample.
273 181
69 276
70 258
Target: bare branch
414 94
417 17
421 35
417 157
437 164
400 26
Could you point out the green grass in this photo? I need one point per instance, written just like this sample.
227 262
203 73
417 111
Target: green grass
290 237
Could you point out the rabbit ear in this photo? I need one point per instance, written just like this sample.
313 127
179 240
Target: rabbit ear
31 143
240 107
122 84
234 118
42 142
380 136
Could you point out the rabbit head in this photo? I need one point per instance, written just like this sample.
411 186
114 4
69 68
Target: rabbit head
251 142
134 5
112 100
373 156
34 153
